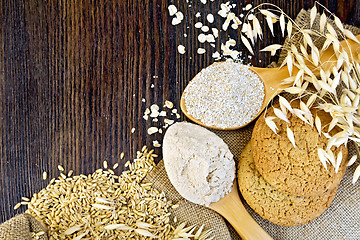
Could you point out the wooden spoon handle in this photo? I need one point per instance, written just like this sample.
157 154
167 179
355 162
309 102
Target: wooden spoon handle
232 209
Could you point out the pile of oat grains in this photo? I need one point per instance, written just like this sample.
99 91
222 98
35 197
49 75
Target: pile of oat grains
103 205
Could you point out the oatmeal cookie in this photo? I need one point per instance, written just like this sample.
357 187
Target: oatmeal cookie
296 171
273 205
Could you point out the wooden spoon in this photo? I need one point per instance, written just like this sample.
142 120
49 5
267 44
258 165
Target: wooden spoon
232 209
273 79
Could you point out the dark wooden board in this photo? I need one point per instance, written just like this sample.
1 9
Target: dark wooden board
73 75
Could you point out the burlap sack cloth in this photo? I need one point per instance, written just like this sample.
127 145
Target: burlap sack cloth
340 221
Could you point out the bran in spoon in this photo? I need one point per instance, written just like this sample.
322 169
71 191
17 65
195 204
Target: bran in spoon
224 95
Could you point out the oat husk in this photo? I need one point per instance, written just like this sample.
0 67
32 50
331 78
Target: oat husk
340 221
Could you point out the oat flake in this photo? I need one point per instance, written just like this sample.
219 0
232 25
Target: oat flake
224 95
201 50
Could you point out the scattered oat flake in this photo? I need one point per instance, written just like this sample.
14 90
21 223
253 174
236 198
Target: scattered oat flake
155 120
198 14
215 32
172 10
143 100
216 55
201 50
179 15
210 18
152 86
168 121
160 131
234 26
175 21
181 49
248 7
152 130
210 38
202 37
154 107
205 28
198 25
168 104
162 114
156 144
60 168
203 1
132 130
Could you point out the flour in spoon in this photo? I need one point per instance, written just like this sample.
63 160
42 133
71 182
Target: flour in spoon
199 164
225 95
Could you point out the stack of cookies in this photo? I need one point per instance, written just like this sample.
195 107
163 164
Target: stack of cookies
286 185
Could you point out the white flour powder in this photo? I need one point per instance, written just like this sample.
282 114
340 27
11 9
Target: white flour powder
225 94
198 162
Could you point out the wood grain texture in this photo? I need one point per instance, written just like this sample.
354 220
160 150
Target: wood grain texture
73 75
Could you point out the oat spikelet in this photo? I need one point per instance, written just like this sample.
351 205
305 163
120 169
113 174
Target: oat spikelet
323 20
307 40
268 13
313 12
290 136
323 157
338 161
257 27
338 23
117 227
315 57
294 90
282 24
247 44
331 30
249 33
73 229
198 232
289 62
318 124
271 48
300 114
269 121
326 86
352 160
270 24
289 28
285 104
311 100
356 174
350 35
280 114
